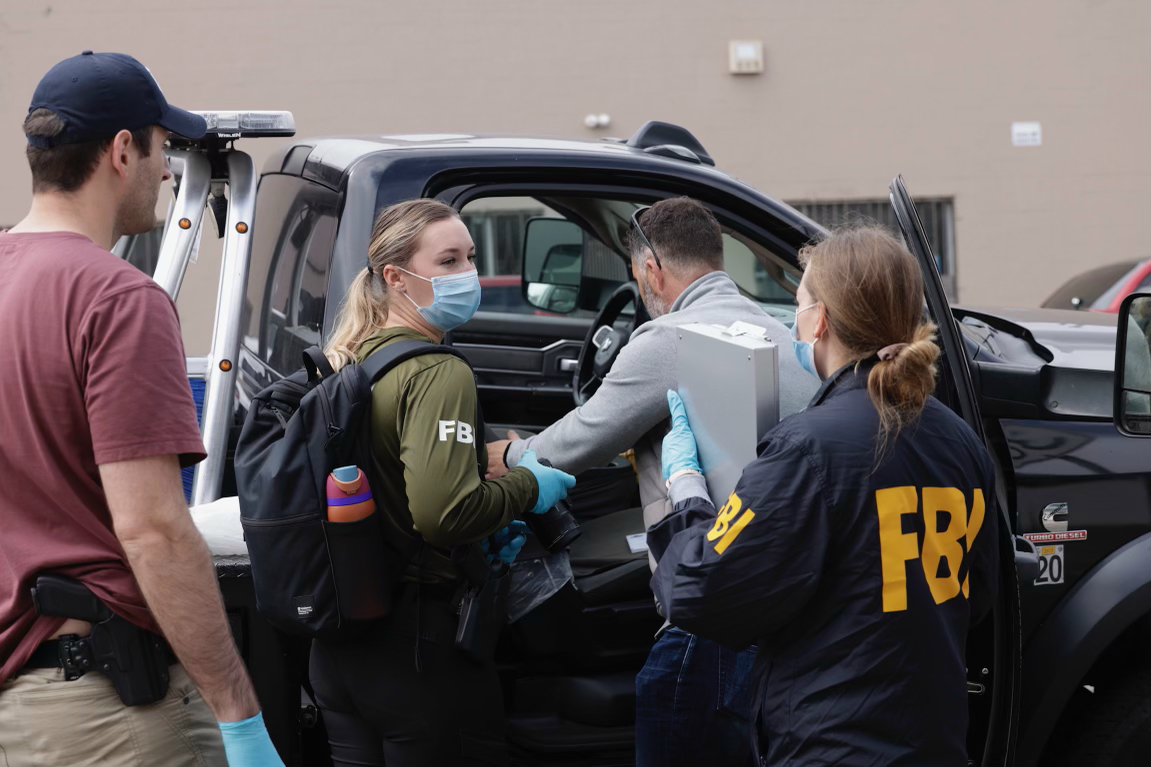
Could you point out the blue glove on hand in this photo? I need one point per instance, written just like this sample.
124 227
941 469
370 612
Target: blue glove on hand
247 744
508 542
553 483
679 451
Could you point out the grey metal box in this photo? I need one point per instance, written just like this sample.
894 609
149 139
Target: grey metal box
729 382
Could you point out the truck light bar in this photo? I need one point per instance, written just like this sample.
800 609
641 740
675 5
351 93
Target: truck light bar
232 125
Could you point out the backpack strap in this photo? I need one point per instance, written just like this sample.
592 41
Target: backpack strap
317 365
379 362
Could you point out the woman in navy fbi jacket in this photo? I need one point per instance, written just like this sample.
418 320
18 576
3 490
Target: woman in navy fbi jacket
859 546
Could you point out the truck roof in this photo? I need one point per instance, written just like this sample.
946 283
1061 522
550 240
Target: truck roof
339 152
657 149
657 142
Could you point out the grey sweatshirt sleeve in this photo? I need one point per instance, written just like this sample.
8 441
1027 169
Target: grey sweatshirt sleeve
631 401
688 486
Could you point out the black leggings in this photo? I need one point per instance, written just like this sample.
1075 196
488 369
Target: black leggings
380 710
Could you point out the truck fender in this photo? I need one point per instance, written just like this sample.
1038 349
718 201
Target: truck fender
1105 602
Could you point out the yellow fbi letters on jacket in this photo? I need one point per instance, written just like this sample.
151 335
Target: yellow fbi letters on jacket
727 527
899 548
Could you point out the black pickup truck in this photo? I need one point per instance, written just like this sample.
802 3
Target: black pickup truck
1060 672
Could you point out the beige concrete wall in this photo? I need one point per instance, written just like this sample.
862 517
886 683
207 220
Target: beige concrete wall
854 92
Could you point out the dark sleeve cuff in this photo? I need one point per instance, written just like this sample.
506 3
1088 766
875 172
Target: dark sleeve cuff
686 513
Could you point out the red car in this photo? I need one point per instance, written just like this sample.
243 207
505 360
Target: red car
503 293
1137 280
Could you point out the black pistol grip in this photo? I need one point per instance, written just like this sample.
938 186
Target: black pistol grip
60 597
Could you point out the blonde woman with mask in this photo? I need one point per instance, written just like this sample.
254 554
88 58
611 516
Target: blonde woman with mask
403 694
860 546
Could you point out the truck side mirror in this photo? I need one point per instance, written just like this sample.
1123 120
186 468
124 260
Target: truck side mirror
1026 560
1133 367
552 264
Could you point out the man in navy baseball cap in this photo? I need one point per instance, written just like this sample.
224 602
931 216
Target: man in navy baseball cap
98 421
97 95
96 128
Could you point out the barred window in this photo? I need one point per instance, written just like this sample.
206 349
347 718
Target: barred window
937 215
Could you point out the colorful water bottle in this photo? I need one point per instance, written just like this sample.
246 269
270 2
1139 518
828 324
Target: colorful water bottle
349 495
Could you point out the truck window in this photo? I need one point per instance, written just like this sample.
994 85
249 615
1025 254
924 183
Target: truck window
143 250
293 237
497 225
760 275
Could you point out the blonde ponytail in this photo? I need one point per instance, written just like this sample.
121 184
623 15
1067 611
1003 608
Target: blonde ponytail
364 311
395 239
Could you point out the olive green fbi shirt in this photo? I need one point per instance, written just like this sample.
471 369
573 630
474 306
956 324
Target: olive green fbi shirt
424 445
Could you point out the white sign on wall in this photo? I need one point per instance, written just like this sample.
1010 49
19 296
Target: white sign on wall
1026 134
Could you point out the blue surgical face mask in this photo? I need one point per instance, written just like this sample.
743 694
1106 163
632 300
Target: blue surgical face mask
455 299
804 350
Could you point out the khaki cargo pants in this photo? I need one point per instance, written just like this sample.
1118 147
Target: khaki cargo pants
47 722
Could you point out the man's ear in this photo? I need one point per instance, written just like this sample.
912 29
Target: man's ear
120 153
655 275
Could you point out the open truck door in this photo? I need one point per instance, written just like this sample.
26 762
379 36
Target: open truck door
994 650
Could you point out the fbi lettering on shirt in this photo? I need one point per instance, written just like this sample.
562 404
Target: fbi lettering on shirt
460 431
946 522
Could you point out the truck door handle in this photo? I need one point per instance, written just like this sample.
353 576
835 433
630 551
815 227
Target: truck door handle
567 365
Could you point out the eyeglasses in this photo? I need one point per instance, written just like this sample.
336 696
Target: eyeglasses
643 237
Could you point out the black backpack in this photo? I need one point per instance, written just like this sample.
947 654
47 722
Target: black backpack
312 576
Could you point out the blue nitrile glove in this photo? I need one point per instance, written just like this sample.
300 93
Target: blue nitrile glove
508 542
553 483
247 744
679 451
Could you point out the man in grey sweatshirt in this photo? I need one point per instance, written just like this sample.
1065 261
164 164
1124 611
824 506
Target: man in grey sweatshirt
681 282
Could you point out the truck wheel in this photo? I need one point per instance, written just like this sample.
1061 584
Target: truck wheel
1112 727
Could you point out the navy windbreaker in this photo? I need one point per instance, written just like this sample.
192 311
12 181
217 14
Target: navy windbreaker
857 580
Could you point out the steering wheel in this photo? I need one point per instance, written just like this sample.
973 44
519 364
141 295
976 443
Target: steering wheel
604 342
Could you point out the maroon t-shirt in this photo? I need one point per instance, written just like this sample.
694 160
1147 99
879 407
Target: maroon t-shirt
92 371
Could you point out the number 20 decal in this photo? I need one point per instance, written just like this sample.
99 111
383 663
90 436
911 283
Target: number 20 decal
1050 566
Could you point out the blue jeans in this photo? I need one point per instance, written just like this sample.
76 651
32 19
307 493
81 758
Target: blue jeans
693 704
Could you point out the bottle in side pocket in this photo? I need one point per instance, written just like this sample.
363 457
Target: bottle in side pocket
349 495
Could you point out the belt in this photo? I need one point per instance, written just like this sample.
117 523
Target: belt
52 654
70 652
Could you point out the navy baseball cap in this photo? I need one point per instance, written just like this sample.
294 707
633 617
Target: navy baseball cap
97 95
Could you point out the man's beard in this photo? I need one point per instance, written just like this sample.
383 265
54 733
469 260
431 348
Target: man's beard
655 307
138 215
